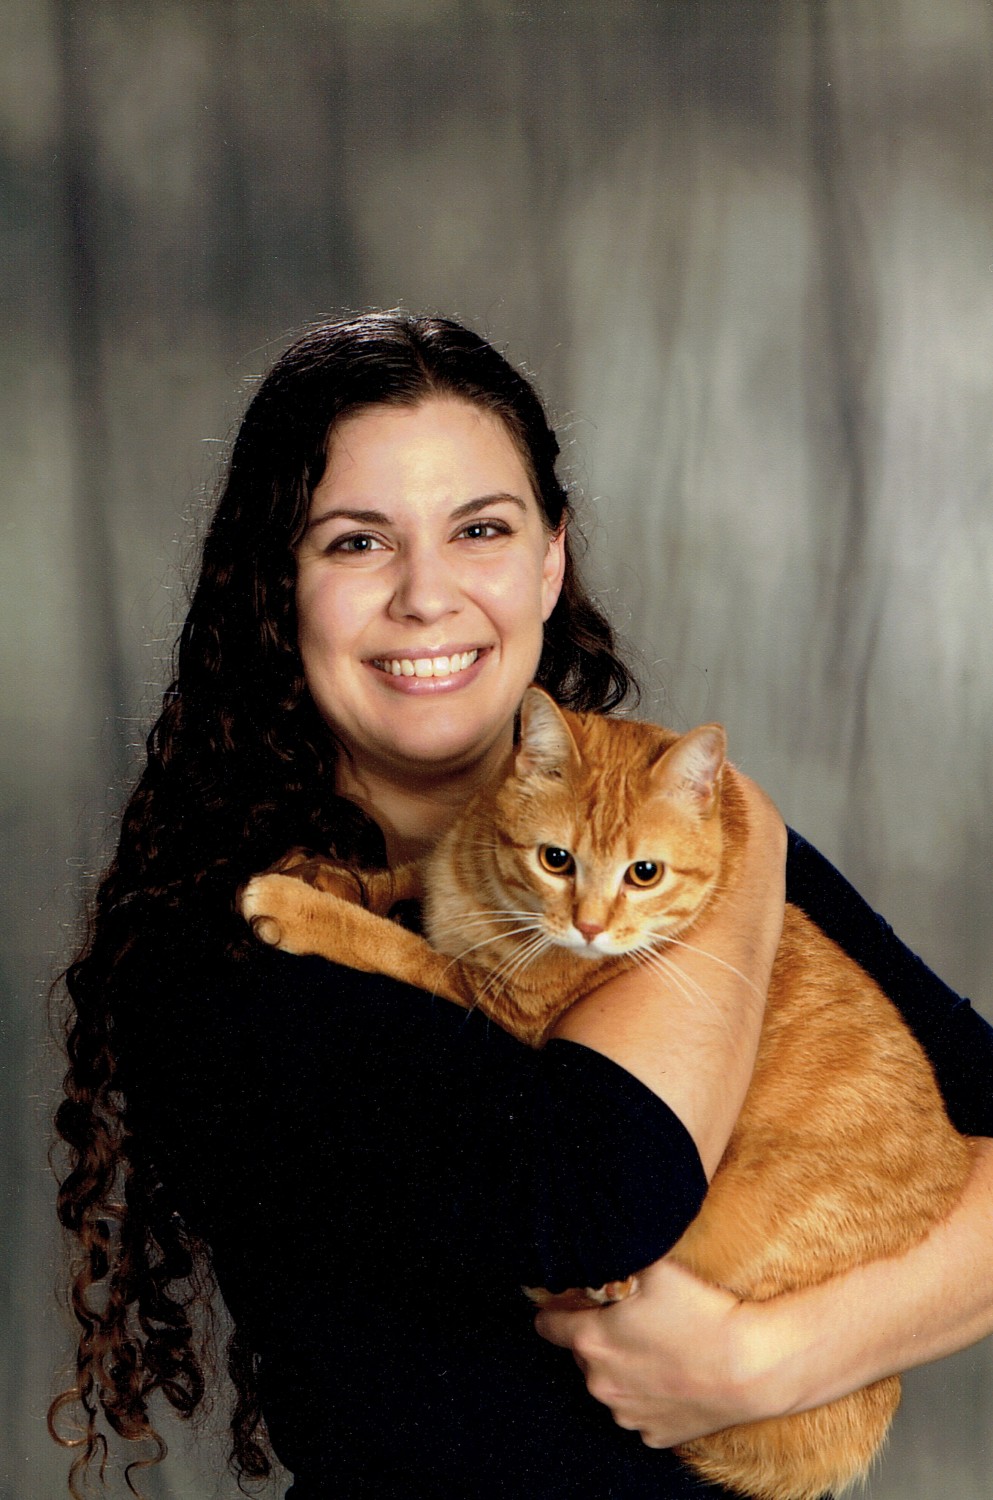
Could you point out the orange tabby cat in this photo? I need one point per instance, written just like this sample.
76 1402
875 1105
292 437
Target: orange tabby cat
606 839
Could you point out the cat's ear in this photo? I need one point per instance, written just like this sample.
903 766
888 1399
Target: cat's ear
690 770
546 746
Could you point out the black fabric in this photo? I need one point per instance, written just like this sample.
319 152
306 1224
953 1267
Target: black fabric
955 1037
378 1171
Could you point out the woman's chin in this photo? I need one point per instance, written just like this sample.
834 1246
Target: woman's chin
449 752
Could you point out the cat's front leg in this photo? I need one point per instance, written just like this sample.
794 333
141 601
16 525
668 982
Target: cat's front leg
376 890
290 914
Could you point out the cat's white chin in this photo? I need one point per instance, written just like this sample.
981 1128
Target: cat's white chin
602 946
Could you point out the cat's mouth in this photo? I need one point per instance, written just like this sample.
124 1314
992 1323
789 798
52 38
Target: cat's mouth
604 945
427 666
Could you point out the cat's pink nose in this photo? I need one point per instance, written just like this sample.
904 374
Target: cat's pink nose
590 930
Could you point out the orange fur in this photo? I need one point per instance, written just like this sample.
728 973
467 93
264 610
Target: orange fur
843 1152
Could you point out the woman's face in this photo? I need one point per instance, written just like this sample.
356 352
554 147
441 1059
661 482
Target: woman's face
423 581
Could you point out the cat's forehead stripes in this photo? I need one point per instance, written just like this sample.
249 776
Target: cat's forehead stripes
691 872
614 789
608 793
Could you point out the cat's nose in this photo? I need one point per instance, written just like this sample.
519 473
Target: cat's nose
590 930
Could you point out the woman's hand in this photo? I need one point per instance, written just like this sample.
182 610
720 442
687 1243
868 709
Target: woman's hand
667 1361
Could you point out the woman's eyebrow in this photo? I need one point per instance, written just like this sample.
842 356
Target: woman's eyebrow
473 507
380 518
364 517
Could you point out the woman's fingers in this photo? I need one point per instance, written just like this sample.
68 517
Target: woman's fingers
664 1361
564 1328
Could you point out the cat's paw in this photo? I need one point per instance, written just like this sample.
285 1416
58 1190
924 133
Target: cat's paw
322 873
578 1298
257 901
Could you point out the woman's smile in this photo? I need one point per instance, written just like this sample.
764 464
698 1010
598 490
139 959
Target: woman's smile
429 664
423 582
444 671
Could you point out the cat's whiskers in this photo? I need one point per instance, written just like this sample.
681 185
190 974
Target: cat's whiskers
485 922
501 914
653 959
693 948
491 980
506 973
497 937
521 956
660 953
692 992
491 983
650 951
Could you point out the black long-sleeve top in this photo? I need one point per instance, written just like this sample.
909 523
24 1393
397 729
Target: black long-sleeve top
378 1171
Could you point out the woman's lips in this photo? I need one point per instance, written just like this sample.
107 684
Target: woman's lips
427 666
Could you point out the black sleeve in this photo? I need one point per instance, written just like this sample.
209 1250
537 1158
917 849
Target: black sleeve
614 1175
354 1115
958 1041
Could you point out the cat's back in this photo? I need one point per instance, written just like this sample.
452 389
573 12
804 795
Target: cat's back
832 1035
843 1151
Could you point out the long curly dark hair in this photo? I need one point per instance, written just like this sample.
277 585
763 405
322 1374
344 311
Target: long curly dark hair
238 767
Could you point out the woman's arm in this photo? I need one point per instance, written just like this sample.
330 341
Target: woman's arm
692 1038
681 1358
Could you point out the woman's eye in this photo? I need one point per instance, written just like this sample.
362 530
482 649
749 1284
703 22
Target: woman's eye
357 543
644 873
481 531
555 860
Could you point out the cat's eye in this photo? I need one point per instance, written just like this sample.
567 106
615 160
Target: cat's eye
555 860
644 873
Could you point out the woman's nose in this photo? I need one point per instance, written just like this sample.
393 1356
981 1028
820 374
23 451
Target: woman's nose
426 587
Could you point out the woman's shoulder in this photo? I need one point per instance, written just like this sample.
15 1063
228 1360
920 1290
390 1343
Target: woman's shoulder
956 1038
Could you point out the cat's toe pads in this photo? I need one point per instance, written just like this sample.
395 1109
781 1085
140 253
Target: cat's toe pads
576 1298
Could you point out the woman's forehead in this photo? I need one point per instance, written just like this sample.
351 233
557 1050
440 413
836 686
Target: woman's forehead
443 446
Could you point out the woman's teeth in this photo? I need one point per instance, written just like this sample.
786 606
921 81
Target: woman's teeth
427 666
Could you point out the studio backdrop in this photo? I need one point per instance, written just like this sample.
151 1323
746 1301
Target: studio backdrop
747 251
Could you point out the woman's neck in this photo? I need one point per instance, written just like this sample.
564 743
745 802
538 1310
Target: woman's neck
413 813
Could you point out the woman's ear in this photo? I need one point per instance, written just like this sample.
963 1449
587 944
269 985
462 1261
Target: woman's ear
552 572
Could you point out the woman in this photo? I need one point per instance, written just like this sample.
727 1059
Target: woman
369 1173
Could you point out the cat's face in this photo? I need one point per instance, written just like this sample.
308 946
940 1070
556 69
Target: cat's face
611 840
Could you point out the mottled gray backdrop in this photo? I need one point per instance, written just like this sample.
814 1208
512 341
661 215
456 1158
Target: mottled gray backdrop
747 249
